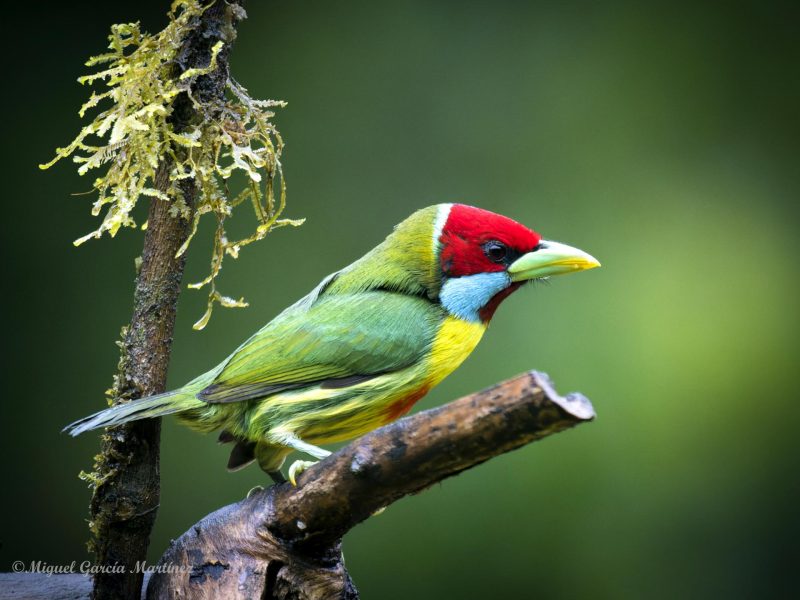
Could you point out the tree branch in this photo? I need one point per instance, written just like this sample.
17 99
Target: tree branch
126 495
284 542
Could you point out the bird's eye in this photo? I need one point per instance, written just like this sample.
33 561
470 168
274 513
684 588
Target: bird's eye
495 251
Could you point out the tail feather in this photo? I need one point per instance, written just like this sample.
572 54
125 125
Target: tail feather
145 408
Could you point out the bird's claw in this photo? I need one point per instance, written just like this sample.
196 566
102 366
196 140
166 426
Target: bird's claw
298 467
255 490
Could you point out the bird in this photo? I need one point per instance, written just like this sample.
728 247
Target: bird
365 344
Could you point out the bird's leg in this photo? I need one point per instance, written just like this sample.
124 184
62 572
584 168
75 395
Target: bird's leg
277 476
270 457
292 441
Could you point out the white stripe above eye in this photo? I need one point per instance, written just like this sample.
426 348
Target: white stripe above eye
442 212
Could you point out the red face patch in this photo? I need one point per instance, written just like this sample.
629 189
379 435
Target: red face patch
466 233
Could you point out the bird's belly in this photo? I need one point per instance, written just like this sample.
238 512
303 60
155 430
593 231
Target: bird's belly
320 415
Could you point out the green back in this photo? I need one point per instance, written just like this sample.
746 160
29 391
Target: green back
376 316
405 261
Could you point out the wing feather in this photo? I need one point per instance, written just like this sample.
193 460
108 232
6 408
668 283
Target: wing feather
334 341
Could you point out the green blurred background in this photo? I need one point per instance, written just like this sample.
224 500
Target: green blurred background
660 137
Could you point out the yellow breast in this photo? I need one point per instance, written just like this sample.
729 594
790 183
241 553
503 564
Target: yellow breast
454 342
354 410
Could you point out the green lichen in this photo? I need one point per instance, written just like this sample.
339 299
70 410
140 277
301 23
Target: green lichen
109 462
134 137
102 470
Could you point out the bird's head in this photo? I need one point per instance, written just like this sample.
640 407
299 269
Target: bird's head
466 258
483 257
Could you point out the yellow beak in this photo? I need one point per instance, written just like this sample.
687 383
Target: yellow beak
551 258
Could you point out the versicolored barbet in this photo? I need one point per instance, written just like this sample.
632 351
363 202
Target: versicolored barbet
365 344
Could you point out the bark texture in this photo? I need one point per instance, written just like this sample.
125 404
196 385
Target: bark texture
284 542
125 500
41 586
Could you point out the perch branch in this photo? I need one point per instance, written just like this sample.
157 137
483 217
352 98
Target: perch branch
284 542
126 494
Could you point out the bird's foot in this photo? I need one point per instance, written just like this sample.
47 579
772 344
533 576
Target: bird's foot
298 467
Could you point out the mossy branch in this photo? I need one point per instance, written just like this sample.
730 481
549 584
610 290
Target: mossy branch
130 139
168 137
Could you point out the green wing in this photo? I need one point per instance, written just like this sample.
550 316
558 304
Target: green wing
333 341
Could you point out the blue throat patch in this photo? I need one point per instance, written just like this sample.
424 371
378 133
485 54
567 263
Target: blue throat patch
464 297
